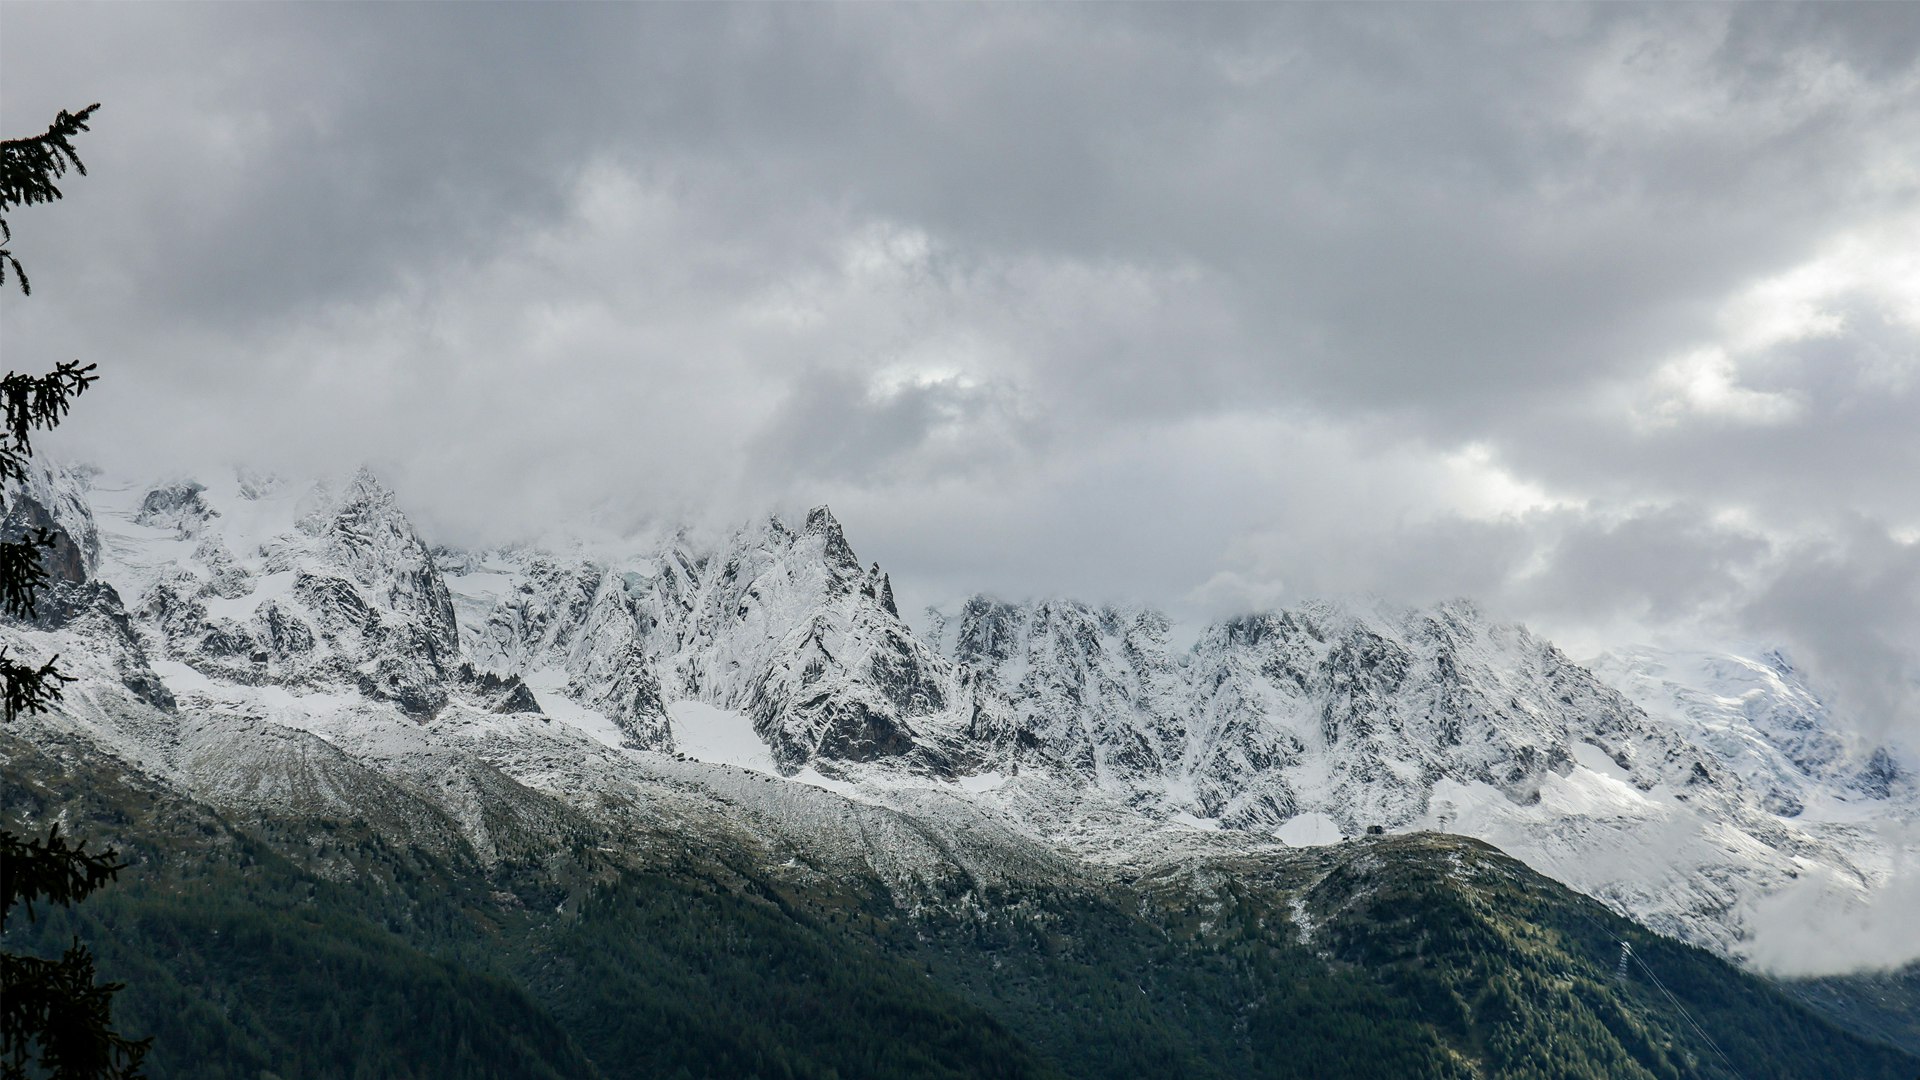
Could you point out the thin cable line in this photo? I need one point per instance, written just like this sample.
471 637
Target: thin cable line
1688 1017
1684 1015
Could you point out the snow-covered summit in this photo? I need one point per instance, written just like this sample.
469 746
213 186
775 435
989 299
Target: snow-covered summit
1347 712
779 623
1765 720
324 587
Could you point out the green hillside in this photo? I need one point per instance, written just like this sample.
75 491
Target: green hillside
307 948
1882 1005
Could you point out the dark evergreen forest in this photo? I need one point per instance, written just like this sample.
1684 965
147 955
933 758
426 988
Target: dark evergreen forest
321 948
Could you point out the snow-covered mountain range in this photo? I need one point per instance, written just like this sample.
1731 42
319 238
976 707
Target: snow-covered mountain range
261 643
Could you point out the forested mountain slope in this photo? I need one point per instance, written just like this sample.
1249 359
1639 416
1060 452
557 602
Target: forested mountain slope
317 946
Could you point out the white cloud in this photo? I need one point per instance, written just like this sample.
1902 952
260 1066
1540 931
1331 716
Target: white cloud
1704 385
1824 925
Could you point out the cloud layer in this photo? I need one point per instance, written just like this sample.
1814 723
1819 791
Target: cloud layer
1608 317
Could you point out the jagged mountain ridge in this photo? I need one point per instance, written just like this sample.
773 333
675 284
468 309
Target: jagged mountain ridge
317 608
349 595
1327 720
782 625
1323 708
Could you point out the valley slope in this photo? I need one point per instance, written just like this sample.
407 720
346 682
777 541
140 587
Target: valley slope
753 720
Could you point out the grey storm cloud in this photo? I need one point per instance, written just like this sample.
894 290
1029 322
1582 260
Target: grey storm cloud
1847 608
836 426
1659 565
1604 315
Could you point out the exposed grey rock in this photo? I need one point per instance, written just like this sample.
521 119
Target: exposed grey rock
52 500
175 506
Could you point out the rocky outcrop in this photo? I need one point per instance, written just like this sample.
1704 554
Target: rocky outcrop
175 506
51 503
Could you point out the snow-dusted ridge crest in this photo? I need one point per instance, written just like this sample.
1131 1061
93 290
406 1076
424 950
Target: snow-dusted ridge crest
268 644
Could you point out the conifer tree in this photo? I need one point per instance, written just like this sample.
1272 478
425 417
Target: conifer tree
54 1018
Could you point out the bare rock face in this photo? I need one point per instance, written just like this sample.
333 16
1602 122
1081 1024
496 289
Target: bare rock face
74 602
176 506
503 694
53 500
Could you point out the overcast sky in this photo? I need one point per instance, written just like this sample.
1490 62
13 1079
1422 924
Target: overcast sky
1606 317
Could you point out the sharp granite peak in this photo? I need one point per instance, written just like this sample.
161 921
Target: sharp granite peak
781 625
258 640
